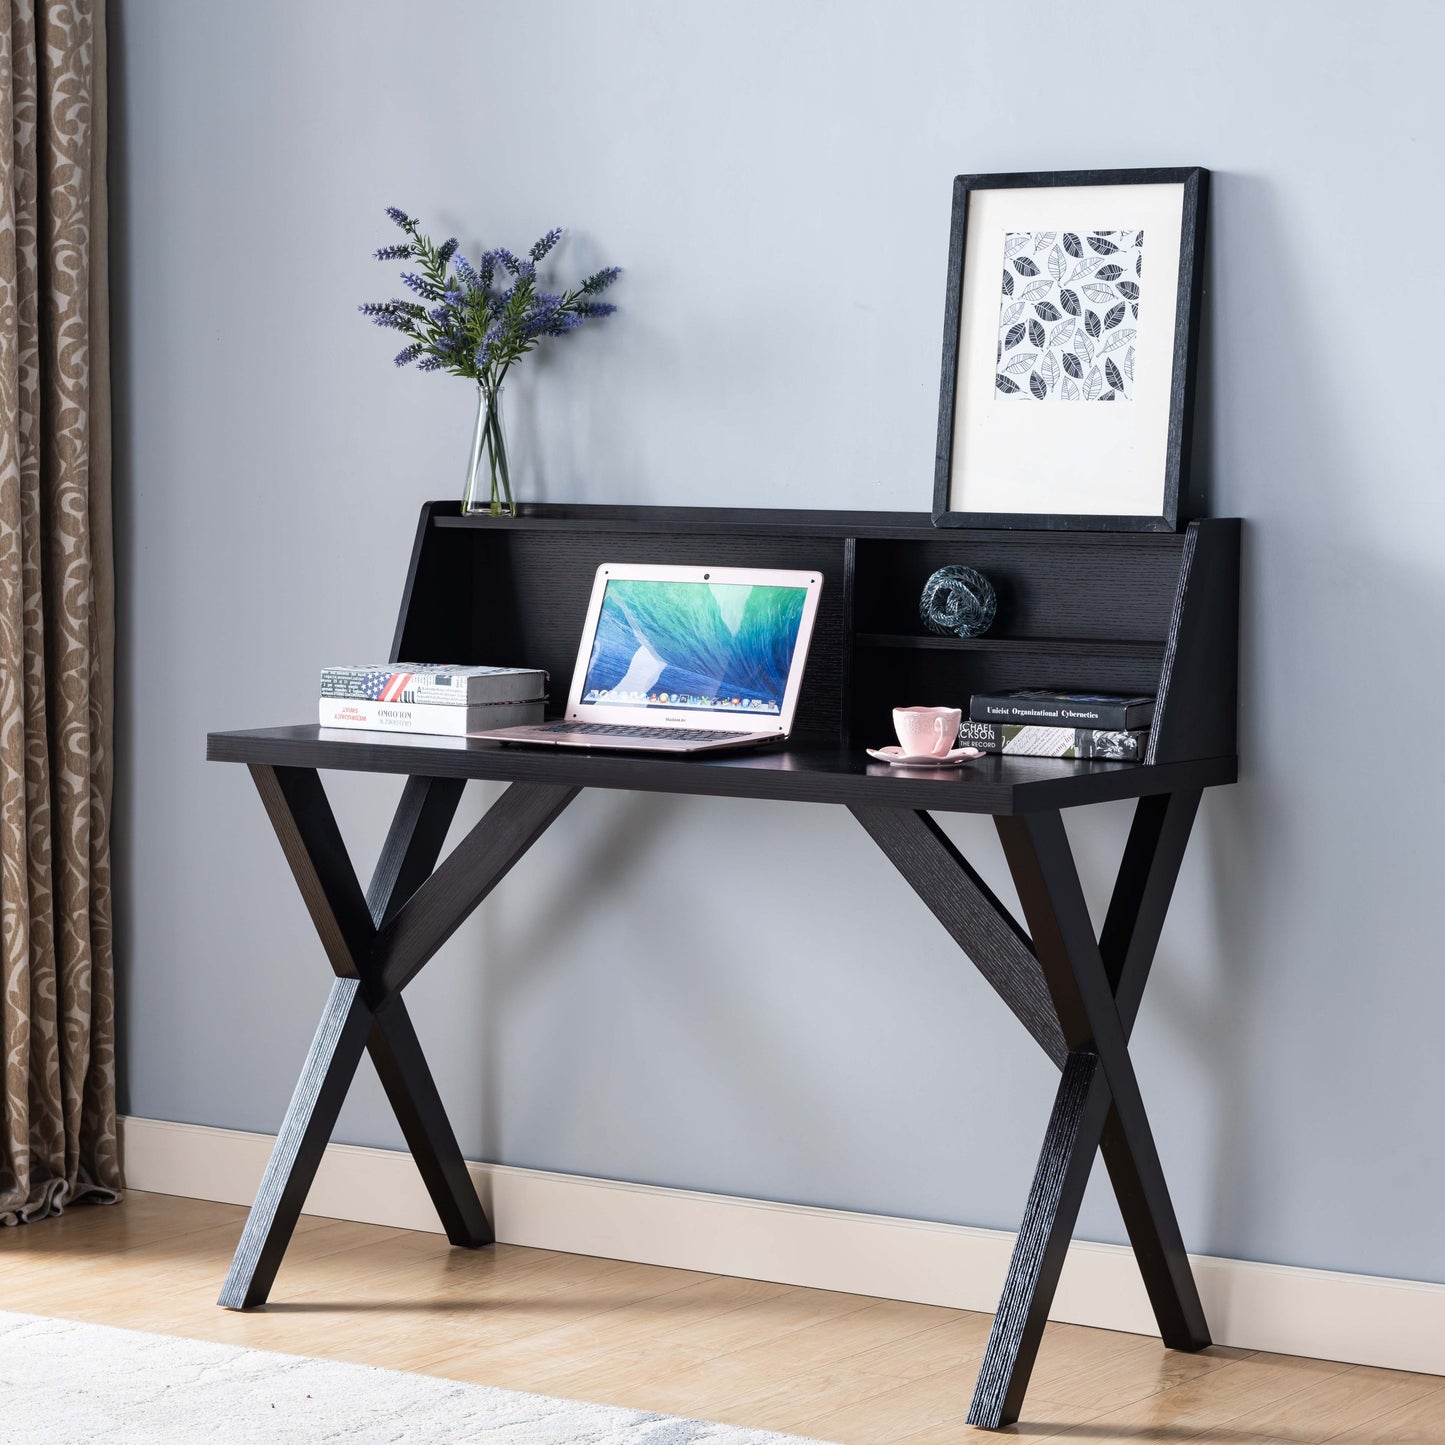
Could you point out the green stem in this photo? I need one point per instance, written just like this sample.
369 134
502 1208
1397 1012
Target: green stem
497 457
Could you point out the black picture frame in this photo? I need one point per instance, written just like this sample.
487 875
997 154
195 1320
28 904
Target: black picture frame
1195 183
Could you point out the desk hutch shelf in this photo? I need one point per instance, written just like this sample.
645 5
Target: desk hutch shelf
1137 612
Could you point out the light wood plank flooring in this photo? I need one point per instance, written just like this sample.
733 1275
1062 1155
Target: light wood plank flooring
837 1367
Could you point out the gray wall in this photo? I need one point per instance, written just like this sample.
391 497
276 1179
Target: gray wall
736 997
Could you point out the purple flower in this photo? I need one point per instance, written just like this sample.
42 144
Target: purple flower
524 270
420 285
446 250
465 271
453 298
600 280
399 216
439 314
483 355
541 248
393 253
429 363
595 308
405 358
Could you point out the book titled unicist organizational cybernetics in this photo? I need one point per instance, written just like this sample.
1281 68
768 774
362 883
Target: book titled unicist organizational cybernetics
1063 709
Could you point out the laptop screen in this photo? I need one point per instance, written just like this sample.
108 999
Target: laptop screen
709 646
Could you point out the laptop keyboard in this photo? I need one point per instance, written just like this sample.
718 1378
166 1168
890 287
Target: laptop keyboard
624 730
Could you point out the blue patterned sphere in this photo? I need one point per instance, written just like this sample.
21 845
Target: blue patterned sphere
957 601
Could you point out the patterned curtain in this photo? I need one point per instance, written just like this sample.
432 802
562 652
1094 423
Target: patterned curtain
57 1024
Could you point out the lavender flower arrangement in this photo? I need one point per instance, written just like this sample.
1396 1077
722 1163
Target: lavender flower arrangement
477 321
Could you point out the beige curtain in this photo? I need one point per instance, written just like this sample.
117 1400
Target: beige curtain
57 1023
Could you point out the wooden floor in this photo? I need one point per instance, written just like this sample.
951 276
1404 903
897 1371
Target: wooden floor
835 1367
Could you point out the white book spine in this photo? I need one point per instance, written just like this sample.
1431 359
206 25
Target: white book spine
419 717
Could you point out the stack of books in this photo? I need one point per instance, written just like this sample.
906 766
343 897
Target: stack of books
413 697
1044 724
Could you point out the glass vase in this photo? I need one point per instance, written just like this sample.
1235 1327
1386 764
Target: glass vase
488 491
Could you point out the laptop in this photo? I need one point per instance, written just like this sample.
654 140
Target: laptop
685 660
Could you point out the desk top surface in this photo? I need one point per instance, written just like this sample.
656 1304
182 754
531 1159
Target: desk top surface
802 770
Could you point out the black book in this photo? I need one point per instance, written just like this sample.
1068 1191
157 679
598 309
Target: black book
1097 710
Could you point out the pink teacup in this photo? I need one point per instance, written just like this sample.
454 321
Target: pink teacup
927 731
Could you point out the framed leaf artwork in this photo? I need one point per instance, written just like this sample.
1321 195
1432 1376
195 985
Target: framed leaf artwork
1069 341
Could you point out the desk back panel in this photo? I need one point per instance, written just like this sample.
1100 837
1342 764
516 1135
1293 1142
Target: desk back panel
522 600
1116 612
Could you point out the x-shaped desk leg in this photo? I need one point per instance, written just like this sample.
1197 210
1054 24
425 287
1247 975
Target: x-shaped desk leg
1078 997
377 943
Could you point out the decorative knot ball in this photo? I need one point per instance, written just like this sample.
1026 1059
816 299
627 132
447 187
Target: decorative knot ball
959 601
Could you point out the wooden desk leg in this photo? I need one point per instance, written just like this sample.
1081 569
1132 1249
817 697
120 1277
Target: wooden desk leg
376 944
1098 1088
1039 979
396 1052
1130 937
413 845
310 1118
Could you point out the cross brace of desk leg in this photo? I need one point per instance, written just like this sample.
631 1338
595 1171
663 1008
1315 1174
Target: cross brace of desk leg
377 942
1078 997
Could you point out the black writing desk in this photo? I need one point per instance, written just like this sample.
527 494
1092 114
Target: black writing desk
495 596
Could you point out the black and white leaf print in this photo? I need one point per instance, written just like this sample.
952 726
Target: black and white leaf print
1139 240
998 354
1074 350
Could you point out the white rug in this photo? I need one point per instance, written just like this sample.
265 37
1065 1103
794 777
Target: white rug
65 1383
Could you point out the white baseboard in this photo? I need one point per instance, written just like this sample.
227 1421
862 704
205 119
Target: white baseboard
1397 1324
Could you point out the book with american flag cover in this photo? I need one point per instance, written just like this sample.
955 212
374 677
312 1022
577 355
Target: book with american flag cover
433 684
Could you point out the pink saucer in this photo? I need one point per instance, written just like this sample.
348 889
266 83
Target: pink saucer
899 759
